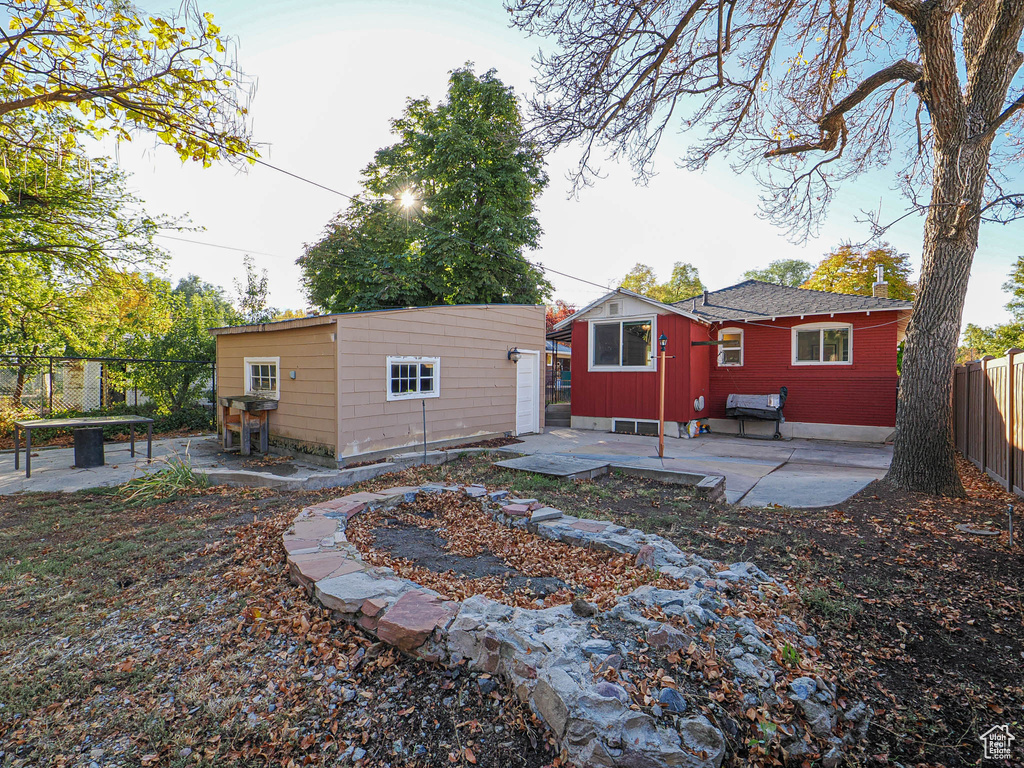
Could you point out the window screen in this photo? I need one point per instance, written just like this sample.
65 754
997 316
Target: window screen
636 343
808 346
606 343
836 345
731 348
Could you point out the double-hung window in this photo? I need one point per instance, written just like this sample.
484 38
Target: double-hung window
261 377
413 377
823 344
622 345
730 348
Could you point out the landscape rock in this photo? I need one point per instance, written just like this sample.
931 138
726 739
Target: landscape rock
819 718
347 593
672 700
413 617
545 513
802 688
645 557
667 638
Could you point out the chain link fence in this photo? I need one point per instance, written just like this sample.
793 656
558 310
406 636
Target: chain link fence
45 386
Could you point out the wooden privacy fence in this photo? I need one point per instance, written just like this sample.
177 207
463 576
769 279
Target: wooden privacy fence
988 416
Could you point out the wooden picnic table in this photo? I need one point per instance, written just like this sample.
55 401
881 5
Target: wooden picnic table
78 422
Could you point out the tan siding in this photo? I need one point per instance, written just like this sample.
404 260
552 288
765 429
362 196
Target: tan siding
478 389
307 410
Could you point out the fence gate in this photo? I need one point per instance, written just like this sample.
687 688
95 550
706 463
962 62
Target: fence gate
988 416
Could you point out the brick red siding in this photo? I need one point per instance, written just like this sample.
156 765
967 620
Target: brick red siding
863 393
629 395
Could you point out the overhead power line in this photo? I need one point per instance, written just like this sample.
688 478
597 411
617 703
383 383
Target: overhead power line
452 235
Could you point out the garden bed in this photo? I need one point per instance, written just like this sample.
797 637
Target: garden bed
450 544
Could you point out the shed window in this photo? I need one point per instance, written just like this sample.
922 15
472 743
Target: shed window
624 344
730 351
822 344
261 377
413 377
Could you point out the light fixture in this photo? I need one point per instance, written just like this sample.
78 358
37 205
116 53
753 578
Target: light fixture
662 341
514 355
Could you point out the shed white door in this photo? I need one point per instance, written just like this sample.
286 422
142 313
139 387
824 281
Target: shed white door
528 393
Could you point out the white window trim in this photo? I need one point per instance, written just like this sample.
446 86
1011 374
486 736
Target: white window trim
408 360
651 366
821 327
721 349
247 376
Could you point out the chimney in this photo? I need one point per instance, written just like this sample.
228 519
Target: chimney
880 288
704 301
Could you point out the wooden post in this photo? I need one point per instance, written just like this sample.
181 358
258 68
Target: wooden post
661 410
984 413
1011 418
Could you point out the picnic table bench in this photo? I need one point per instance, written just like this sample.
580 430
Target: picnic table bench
76 423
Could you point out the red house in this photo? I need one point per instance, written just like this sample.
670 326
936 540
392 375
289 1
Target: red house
836 354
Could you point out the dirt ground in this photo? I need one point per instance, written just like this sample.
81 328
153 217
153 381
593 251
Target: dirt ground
169 634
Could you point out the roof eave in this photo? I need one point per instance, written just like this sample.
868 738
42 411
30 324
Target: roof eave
567 322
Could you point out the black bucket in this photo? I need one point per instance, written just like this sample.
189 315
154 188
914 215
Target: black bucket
88 448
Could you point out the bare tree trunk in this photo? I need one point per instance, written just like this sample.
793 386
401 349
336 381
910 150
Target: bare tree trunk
924 456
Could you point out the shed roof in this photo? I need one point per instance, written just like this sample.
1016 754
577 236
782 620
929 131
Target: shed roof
755 300
303 322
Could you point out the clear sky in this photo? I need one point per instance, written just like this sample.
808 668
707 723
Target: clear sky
332 74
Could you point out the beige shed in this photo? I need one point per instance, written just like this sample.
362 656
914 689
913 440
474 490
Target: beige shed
354 386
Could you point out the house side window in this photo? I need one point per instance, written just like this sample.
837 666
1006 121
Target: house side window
411 378
730 351
261 379
823 344
622 345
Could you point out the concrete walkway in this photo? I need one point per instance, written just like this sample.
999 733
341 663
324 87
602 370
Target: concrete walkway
792 473
53 470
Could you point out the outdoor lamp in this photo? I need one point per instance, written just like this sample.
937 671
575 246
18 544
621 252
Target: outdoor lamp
514 355
662 341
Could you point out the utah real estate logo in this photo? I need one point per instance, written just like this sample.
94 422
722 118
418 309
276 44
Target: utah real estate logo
996 742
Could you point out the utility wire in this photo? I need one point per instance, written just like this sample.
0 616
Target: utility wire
452 235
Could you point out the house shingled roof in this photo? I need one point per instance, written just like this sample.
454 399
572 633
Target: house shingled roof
755 300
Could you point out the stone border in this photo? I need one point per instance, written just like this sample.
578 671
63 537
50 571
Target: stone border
548 655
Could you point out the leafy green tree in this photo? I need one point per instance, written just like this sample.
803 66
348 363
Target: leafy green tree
1014 285
791 272
193 307
642 279
123 70
253 294
445 214
849 269
683 284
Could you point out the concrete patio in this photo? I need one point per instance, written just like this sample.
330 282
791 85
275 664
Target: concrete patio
792 473
53 470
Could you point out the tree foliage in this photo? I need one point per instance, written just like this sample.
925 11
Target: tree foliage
469 181
684 283
557 312
791 272
193 307
853 269
253 293
67 228
806 95
126 70
996 339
